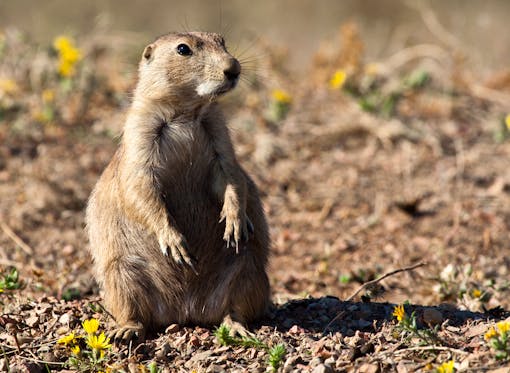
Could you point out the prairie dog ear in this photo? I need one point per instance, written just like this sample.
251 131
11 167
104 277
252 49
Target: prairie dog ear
148 52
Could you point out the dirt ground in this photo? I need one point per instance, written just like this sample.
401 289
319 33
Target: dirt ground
405 162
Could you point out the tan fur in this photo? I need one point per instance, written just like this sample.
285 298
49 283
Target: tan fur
174 187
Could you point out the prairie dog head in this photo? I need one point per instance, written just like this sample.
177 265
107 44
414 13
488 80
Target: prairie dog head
193 66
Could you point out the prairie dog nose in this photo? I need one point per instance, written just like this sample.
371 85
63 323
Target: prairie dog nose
232 68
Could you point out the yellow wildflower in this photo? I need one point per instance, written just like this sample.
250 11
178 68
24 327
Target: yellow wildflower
399 312
507 121
68 55
338 79
503 326
8 86
491 333
476 293
48 95
67 339
281 97
75 350
100 342
446 367
90 326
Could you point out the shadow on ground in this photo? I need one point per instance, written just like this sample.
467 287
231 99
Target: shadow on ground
316 315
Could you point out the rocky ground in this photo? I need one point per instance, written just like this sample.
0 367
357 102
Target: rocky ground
364 169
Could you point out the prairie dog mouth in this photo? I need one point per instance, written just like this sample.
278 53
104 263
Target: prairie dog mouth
216 87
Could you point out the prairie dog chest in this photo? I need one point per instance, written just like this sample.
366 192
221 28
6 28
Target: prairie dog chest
185 153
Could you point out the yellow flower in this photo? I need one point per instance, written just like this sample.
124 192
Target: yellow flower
68 55
399 312
90 326
281 97
507 121
75 350
100 342
503 326
476 293
491 333
447 367
67 339
48 95
338 79
8 86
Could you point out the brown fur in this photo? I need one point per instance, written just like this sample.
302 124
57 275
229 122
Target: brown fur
172 180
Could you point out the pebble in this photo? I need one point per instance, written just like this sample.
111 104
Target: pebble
162 352
322 368
315 361
173 328
64 319
369 368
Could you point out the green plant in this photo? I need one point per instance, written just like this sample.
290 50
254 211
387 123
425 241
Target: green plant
276 353
10 280
153 367
409 327
280 105
226 339
497 338
345 278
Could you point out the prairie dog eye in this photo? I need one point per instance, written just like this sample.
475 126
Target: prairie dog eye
184 50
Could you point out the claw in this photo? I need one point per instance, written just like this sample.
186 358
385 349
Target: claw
163 246
128 333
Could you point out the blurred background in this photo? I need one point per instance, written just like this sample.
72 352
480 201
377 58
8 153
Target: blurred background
368 126
300 25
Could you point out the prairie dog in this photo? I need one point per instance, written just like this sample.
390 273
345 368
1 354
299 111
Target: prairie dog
176 227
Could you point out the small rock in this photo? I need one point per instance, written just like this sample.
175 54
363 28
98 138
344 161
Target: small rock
322 368
296 330
432 317
401 368
64 319
291 363
194 341
162 352
198 357
173 328
32 321
367 348
354 353
369 368
315 361
330 361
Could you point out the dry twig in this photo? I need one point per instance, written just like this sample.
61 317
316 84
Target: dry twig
388 274
17 240
370 283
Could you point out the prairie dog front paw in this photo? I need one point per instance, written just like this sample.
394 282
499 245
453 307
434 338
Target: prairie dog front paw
237 226
176 243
